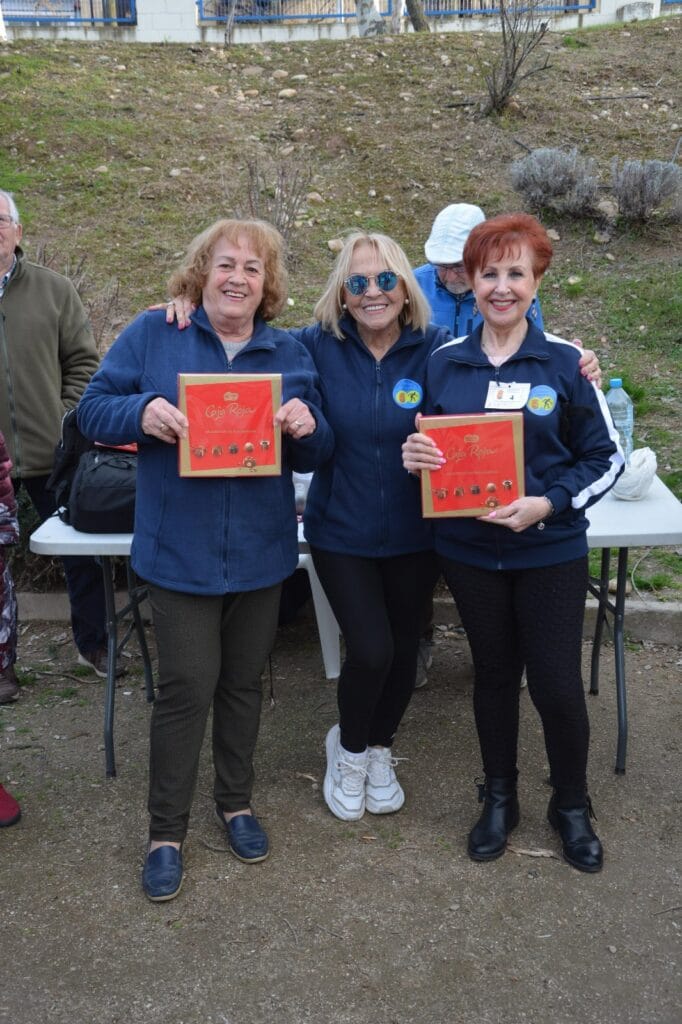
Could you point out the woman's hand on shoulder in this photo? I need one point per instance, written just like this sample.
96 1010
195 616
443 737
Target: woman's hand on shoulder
162 420
179 308
589 364
520 514
296 419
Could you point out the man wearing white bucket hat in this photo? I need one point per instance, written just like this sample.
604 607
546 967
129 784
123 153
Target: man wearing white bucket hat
443 280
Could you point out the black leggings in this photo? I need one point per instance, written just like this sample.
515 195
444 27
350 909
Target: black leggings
377 603
530 617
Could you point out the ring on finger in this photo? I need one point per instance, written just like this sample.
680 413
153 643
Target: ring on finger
298 423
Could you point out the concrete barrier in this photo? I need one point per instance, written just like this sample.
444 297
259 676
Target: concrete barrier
55 607
658 621
635 12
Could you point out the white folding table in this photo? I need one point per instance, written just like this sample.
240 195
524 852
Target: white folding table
653 521
54 537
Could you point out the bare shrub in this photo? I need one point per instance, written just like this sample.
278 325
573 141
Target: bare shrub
642 186
104 305
551 179
522 29
278 197
276 193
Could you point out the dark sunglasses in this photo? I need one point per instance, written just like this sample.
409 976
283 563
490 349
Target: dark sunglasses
357 284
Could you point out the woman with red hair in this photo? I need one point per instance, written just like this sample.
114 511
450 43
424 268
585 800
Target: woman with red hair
519 573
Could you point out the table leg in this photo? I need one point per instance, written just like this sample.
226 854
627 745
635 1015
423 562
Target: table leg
619 647
602 595
137 594
112 649
327 625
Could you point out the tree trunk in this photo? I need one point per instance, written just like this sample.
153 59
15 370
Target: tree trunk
396 17
415 9
370 22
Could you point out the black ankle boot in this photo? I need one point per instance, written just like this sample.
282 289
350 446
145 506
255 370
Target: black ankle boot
580 846
488 837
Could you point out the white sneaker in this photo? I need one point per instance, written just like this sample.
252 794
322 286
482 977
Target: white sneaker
344 780
383 792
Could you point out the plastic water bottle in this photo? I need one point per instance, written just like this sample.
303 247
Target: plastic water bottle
622 413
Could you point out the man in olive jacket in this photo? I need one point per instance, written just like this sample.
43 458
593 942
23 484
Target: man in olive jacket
47 356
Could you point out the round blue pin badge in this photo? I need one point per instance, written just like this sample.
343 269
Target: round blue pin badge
542 400
408 394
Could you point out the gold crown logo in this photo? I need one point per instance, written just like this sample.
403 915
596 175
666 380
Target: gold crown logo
471 438
230 396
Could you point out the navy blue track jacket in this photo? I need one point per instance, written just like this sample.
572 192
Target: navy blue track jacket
571 448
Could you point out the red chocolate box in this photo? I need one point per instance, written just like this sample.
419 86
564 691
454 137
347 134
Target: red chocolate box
231 424
484 467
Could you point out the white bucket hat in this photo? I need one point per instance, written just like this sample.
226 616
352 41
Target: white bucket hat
450 231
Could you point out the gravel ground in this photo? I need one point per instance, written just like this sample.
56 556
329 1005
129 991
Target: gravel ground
385 920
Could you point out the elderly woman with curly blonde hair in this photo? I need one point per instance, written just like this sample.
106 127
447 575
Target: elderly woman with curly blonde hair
216 549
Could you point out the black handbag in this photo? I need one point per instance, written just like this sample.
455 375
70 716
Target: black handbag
102 497
94 486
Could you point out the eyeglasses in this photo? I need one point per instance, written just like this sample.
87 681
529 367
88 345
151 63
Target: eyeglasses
357 284
5 220
456 267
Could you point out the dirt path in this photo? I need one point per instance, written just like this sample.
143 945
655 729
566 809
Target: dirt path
383 921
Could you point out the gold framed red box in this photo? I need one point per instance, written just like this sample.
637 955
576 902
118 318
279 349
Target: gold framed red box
484 468
231 424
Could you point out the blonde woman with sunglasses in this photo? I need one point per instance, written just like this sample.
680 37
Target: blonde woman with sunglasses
371 547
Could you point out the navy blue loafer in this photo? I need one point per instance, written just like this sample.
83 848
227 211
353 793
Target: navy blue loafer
162 874
246 838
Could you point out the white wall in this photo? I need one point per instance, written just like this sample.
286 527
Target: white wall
175 21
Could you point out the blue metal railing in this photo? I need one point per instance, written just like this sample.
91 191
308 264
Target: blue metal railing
489 8
281 10
78 12
308 10
124 12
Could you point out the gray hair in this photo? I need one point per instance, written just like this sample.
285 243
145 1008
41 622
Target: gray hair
329 308
11 205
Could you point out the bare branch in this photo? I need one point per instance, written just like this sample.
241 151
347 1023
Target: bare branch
521 32
275 192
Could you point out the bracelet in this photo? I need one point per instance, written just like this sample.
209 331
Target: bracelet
552 510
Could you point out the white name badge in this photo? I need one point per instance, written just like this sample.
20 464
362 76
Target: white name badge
507 396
